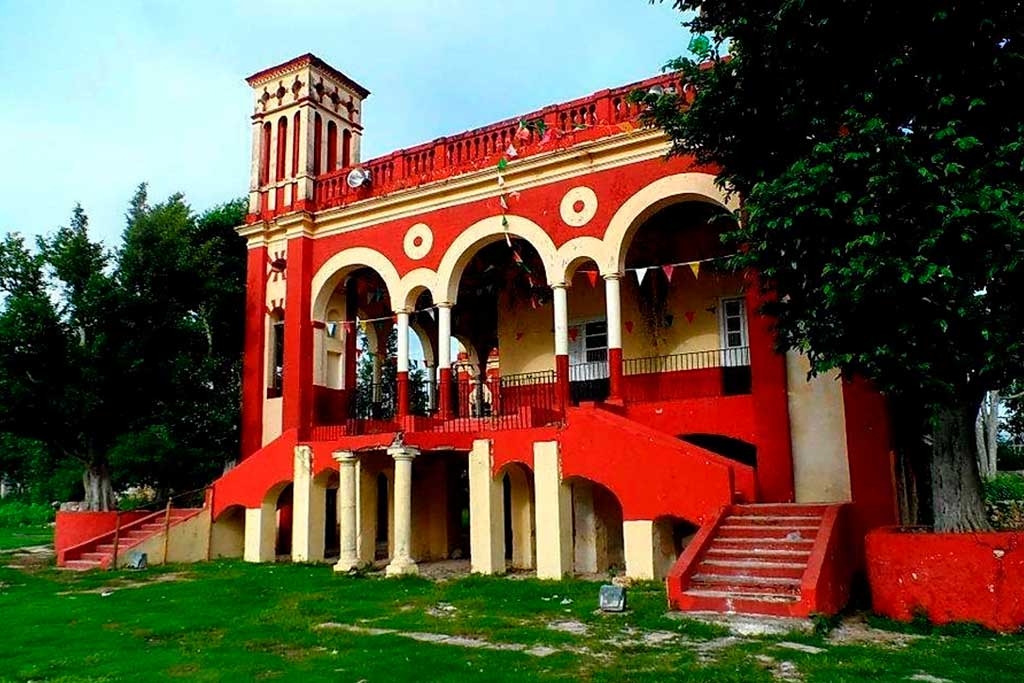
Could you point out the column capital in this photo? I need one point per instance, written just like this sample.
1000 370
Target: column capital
344 456
400 311
403 453
612 276
559 285
444 304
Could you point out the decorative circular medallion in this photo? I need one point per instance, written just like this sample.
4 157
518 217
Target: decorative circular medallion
418 241
578 206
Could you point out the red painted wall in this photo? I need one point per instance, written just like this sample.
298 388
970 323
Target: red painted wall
652 474
731 416
675 385
971 577
771 405
253 357
869 448
297 410
73 528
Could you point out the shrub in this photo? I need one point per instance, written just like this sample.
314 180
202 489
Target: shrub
1005 486
15 513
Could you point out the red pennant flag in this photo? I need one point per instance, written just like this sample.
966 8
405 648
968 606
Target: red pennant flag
668 271
574 332
689 316
629 326
591 277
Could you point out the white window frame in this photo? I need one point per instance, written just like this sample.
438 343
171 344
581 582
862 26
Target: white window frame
732 358
580 369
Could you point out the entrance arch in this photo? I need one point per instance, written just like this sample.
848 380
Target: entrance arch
519 518
597 528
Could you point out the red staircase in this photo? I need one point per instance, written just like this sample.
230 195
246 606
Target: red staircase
98 552
772 559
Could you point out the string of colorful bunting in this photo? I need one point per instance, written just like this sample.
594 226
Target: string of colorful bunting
668 269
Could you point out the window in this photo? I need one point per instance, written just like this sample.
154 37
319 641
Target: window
588 351
733 329
275 377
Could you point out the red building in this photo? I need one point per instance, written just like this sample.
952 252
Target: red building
633 413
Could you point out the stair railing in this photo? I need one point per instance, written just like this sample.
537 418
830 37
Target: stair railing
168 506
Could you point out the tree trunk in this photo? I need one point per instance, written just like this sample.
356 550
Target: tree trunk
987 434
99 492
957 496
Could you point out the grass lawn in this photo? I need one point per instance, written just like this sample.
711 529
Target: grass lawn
21 536
229 621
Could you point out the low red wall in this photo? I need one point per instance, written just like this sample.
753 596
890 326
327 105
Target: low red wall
682 384
330 406
73 528
968 577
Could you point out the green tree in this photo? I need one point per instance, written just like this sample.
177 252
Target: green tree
879 153
183 284
59 378
127 363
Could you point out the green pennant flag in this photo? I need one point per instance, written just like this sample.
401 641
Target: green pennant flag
502 164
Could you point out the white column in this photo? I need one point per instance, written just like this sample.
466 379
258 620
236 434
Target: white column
486 519
309 509
254 171
639 549
613 305
554 513
561 306
401 561
444 337
349 554
260 533
402 318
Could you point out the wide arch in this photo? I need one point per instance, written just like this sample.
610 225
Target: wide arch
334 270
579 250
647 201
482 233
412 286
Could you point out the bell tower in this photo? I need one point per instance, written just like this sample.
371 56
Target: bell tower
307 120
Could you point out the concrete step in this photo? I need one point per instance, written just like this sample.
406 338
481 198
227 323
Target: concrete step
747 581
774 520
727 602
756 554
778 570
96 557
779 509
81 565
786 533
105 548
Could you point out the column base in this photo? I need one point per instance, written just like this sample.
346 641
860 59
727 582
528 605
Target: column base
402 568
346 564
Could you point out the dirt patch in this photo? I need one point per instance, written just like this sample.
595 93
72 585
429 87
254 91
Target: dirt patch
123 584
31 558
856 631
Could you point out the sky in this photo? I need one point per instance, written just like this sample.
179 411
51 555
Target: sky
99 96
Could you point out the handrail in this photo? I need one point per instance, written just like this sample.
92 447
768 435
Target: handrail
738 356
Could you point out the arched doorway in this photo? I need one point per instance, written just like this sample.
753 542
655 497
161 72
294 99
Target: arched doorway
519 517
671 536
597 528
227 534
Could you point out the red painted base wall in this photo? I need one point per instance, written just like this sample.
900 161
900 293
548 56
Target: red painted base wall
77 527
970 577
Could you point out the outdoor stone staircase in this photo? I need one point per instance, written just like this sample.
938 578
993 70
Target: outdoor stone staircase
98 553
782 560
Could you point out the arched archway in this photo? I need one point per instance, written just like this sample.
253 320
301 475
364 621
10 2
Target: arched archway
227 533
671 536
477 236
519 517
589 377
597 528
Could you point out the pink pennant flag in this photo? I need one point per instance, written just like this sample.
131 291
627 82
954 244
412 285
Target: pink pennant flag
503 202
695 267
668 271
640 273
591 277
522 134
